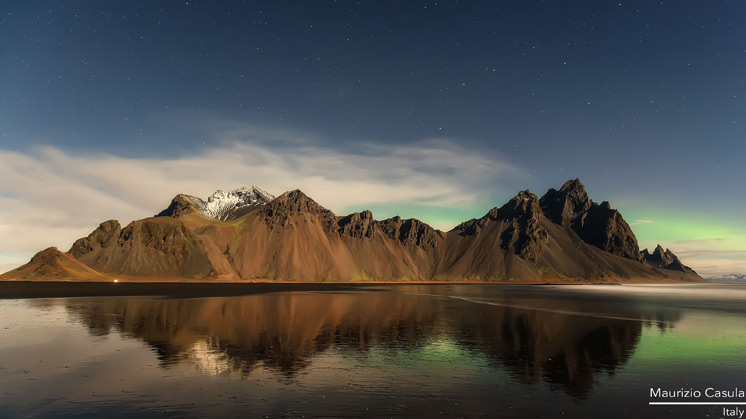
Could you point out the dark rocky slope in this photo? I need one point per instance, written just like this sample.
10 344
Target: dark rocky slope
664 260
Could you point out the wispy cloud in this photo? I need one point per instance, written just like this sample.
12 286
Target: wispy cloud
50 197
736 254
642 222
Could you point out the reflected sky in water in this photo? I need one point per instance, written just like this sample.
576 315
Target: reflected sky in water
386 351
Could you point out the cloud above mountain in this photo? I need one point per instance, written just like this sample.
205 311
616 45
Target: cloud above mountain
50 196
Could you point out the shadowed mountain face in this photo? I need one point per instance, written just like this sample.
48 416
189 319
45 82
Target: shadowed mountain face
286 331
599 225
248 234
665 260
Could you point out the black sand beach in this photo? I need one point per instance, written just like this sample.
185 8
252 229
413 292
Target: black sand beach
32 289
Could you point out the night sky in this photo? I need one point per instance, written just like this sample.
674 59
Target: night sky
435 110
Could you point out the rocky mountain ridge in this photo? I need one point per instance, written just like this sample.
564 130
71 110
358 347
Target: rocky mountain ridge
247 234
664 259
597 224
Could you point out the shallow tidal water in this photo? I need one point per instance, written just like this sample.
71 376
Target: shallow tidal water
387 351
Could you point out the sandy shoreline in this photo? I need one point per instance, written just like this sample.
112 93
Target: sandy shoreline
172 289
46 289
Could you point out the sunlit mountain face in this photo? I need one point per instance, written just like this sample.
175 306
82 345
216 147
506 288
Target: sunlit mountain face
246 234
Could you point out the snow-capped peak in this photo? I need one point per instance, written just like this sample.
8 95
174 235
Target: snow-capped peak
227 206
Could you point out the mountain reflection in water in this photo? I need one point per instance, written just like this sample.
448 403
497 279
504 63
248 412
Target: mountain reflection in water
559 341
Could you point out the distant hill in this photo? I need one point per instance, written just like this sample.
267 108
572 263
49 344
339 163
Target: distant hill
728 278
248 234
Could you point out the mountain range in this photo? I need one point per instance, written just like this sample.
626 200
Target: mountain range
728 278
248 234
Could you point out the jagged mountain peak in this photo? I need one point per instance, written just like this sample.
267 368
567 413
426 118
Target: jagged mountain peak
524 203
597 224
357 224
110 225
294 195
573 185
659 255
297 201
46 256
286 208
665 259
292 237
106 234
410 232
566 204
223 206
524 234
226 206
248 194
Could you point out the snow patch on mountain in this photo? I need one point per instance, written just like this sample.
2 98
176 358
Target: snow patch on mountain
226 206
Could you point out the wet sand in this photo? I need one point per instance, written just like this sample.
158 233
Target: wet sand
31 289
173 289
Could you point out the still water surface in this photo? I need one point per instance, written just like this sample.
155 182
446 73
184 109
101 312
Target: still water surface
388 351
